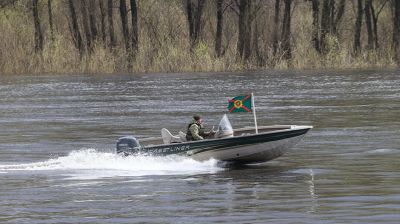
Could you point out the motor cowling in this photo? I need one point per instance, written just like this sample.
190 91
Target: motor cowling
128 145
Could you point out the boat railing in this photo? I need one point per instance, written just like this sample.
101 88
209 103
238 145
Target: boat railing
251 130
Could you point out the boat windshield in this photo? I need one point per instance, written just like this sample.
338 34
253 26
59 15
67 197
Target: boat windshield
224 125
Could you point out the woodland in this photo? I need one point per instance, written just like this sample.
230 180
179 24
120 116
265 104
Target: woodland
147 36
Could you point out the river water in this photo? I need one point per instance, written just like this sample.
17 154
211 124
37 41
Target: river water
57 160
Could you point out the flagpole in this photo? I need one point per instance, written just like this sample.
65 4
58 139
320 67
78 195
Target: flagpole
254 112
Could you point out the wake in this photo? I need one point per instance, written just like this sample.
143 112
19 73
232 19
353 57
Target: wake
111 164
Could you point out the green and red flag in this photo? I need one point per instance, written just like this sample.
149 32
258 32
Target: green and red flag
240 104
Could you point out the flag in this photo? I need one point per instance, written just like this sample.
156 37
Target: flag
240 104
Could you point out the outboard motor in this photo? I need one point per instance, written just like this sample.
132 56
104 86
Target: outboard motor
128 145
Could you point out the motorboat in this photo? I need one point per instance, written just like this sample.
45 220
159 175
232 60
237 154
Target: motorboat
243 145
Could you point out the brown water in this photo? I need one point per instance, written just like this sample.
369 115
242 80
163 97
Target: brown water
57 161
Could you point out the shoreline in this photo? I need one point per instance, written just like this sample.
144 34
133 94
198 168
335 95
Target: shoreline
250 71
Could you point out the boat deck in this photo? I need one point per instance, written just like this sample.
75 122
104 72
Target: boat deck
236 132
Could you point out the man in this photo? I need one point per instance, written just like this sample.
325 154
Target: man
195 130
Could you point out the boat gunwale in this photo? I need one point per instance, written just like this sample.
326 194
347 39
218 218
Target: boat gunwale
291 128
247 128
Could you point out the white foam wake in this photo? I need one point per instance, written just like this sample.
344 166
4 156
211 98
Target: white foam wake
90 161
383 151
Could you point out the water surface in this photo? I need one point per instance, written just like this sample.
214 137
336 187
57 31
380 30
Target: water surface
57 160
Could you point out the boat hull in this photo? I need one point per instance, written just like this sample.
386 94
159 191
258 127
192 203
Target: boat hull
248 148
257 153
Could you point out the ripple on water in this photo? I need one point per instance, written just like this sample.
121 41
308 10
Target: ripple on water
344 171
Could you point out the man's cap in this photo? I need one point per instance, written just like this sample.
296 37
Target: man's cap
196 117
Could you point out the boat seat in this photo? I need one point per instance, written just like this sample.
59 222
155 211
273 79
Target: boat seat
182 136
168 138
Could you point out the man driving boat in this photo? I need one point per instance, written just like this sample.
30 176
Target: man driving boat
195 130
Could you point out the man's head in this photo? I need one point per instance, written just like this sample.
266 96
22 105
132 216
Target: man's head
198 118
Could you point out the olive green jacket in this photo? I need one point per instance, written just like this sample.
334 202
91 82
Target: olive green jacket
196 130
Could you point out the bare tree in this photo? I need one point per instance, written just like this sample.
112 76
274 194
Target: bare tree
38 29
135 38
330 20
368 23
92 19
339 15
357 29
124 23
244 36
396 30
218 35
125 31
110 6
325 24
260 55
316 29
75 29
375 16
286 33
49 10
86 26
276 27
194 12
103 21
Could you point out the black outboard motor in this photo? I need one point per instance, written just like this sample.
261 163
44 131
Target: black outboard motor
128 145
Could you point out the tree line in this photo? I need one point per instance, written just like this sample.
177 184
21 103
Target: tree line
258 33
